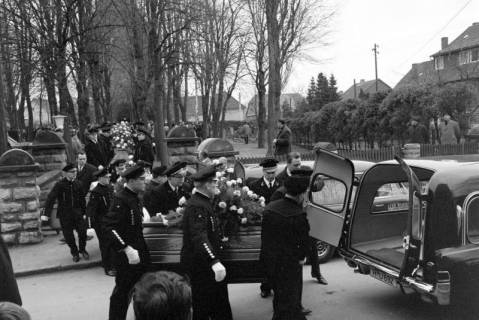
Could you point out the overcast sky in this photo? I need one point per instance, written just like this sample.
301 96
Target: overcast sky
406 31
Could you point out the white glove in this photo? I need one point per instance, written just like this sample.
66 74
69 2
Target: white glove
44 218
163 221
219 270
132 255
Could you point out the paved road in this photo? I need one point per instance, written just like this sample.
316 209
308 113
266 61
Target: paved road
84 294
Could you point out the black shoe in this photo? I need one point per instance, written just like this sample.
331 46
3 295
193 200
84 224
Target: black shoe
305 311
321 280
265 293
76 258
85 255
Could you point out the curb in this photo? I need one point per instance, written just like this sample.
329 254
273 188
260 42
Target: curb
59 268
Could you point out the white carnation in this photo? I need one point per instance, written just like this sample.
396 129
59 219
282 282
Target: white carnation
237 193
230 170
262 199
244 220
239 180
262 204
233 208
219 174
250 193
182 201
245 189
240 211
229 183
222 204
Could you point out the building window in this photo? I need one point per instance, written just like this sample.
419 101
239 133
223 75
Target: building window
475 55
439 62
465 56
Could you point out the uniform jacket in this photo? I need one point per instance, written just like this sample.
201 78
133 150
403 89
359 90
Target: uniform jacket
69 195
163 199
284 234
201 234
144 151
260 188
86 177
94 153
278 194
283 141
100 200
123 225
8 284
107 148
281 177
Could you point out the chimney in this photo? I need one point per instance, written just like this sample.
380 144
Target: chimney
444 42
361 81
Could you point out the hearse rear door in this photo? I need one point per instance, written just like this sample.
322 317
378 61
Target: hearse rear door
329 196
414 228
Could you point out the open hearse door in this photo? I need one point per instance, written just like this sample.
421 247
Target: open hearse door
329 196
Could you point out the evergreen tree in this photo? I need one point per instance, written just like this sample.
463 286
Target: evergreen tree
321 92
333 89
311 92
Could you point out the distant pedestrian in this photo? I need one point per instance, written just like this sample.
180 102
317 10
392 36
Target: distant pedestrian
93 149
162 295
245 132
123 230
449 131
417 132
282 143
434 131
68 192
144 147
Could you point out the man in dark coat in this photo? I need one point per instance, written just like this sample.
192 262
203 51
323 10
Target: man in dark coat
71 210
201 252
123 230
93 149
104 138
284 246
8 284
97 208
85 172
144 147
158 179
165 198
267 184
282 143
293 161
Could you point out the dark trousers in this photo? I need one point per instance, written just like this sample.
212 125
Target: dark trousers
210 298
106 251
287 291
126 278
246 139
313 258
74 221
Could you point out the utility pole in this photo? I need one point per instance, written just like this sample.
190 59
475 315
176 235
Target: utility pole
376 52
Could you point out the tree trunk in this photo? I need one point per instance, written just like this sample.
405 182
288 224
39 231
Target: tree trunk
261 87
3 122
274 90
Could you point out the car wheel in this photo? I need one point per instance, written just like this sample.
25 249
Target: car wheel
325 251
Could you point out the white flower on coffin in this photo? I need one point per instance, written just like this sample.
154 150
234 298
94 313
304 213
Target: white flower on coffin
250 193
245 189
194 191
244 220
118 146
254 196
179 210
216 162
217 191
222 204
237 193
233 182
240 211
230 170
130 163
130 157
233 208
219 174
262 204
229 183
239 181
262 199
182 201
90 232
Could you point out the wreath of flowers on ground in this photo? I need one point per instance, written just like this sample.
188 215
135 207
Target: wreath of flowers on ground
122 136
237 204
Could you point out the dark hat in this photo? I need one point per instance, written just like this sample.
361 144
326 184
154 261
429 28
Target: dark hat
133 172
68 167
174 168
144 164
158 171
92 129
139 123
100 173
281 121
205 174
117 162
298 182
106 126
269 164
143 130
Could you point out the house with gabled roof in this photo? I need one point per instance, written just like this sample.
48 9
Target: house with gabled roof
364 87
292 100
457 61
234 110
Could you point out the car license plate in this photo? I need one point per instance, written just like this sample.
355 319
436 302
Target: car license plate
398 206
384 277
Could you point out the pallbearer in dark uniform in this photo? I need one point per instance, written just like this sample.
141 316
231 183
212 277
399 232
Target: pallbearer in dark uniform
165 198
117 168
201 252
285 244
266 185
144 147
124 231
104 138
97 208
71 210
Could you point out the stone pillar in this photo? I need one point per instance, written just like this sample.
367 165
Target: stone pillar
49 151
19 198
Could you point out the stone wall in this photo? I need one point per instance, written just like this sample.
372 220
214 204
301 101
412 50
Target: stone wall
19 198
49 151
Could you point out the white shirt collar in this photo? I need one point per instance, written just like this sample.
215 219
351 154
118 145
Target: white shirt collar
268 183
172 188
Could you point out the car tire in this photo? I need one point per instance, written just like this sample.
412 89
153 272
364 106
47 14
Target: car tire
325 251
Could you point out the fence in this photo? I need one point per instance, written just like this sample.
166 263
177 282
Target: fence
382 154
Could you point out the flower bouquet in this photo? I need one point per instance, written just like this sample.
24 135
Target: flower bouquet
173 218
122 136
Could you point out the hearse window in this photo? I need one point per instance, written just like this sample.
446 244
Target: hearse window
328 192
391 197
473 220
